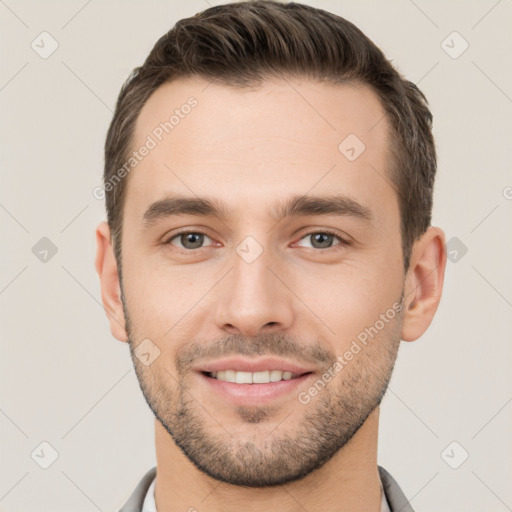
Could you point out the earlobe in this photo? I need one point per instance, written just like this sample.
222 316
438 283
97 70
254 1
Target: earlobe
106 267
424 283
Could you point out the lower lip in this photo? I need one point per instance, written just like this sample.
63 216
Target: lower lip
246 394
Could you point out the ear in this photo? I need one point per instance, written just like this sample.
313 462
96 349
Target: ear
106 267
424 283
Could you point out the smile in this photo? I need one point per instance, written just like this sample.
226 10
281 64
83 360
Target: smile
263 377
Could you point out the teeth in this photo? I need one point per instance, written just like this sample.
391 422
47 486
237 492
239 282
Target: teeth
229 375
252 377
260 377
275 375
243 378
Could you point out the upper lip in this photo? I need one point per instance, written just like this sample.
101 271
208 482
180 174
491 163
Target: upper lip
251 365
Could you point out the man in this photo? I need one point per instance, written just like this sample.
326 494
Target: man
269 180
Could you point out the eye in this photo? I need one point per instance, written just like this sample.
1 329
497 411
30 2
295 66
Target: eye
192 240
323 239
189 240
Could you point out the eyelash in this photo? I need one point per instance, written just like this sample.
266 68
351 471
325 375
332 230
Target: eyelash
342 243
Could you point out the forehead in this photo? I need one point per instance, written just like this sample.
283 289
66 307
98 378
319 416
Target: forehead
244 145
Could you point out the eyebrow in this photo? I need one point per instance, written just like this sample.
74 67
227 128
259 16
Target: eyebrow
339 205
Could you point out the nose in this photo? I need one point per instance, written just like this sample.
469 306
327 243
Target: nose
254 298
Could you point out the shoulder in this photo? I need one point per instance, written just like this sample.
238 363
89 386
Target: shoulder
136 499
395 496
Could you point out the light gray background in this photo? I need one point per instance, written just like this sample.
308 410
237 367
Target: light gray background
64 378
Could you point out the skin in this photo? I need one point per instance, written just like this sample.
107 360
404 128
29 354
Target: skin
251 149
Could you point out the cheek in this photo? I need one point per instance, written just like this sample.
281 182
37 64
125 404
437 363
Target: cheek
164 302
348 298
150 301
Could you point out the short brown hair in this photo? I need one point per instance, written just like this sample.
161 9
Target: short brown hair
240 44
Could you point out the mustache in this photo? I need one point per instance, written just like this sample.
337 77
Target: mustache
268 344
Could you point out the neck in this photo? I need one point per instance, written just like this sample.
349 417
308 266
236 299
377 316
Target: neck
349 481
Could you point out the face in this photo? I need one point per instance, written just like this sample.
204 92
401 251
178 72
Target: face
262 246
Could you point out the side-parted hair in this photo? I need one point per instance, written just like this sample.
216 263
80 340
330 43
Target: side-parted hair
242 44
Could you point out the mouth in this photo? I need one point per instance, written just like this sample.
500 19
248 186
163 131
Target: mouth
253 382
